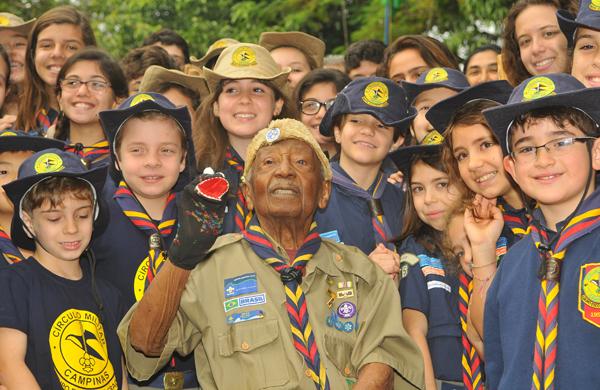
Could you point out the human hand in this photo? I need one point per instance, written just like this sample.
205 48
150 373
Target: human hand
386 259
483 222
7 122
396 178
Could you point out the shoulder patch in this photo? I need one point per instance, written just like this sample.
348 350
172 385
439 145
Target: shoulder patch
407 260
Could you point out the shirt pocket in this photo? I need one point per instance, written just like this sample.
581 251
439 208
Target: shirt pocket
252 356
339 351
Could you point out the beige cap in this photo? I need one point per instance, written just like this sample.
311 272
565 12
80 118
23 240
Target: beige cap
156 75
246 61
313 47
213 51
280 130
12 22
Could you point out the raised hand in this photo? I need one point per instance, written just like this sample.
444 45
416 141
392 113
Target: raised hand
483 222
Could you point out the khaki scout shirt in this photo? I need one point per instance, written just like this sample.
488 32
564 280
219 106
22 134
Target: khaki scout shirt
259 353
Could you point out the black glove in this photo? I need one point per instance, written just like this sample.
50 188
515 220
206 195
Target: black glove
200 211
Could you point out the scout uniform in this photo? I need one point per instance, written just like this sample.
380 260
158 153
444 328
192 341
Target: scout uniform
355 216
70 324
516 355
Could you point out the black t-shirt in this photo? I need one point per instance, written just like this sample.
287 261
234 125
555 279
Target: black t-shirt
71 343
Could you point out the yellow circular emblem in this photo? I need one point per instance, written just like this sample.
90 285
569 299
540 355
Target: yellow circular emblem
48 162
79 352
376 94
595 5
142 97
436 75
141 283
7 133
433 138
219 44
4 21
243 56
591 287
538 88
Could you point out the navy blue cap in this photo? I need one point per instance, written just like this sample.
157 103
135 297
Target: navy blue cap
43 165
587 17
112 121
441 114
549 90
380 97
17 140
405 155
436 78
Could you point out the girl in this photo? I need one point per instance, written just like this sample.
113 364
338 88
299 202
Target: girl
429 290
314 94
482 64
4 79
89 82
57 35
533 43
246 93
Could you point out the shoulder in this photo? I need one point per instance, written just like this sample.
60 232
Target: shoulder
350 259
226 241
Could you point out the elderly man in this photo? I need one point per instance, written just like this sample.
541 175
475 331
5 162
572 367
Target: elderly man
274 306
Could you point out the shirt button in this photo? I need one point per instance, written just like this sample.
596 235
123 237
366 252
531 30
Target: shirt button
307 373
245 346
347 371
338 257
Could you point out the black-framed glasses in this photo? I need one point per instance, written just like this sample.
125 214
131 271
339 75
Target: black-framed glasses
312 106
555 147
92 85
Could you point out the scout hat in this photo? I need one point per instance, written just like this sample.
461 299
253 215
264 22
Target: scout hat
16 141
404 156
587 17
213 51
12 22
440 115
380 97
246 61
549 90
313 47
44 165
156 75
436 78
113 120
280 130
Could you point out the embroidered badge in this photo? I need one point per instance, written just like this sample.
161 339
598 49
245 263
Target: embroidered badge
436 75
234 318
7 133
501 246
243 56
348 327
344 294
243 284
142 97
4 21
376 94
589 293
221 43
595 5
48 162
250 300
431 265
272 134
346 310
345 284
332 235
433 138
437 284
141 282
537 88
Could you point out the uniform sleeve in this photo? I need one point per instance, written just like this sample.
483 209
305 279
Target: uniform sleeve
491 336
381 337
413 290
14 303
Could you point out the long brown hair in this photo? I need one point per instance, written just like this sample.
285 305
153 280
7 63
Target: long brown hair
511 54
35 94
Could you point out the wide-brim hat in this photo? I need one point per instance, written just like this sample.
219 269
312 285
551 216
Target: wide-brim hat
440 115
246 61
156 75
41 166
405 155
214 50
549 90
312 46
587 17
436 78
380 97
16 141
14 23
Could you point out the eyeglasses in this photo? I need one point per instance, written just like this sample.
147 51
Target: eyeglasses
312 106
556 147
92 85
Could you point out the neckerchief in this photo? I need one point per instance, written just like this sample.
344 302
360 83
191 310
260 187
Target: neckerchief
516 220
291 277
242 214
8 250
546 341
46 119
470 361
381 229
90 154
140 219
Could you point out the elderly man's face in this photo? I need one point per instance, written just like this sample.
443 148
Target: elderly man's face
286 181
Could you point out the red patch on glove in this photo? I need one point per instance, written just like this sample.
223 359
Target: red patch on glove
213 188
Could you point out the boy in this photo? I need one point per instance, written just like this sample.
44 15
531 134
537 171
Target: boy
151 150
364 210
363 58
548 128
15 147
57 321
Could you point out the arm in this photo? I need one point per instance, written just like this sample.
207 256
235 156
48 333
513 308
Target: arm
475 338
375 376
387 260
14 373
125 384
416 326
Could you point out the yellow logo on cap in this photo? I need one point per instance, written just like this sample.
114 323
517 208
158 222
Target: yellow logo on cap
219 44
7 133
433 138
4 21
48 162
376 94
436 75
243 56
537 88
595 5
140 98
